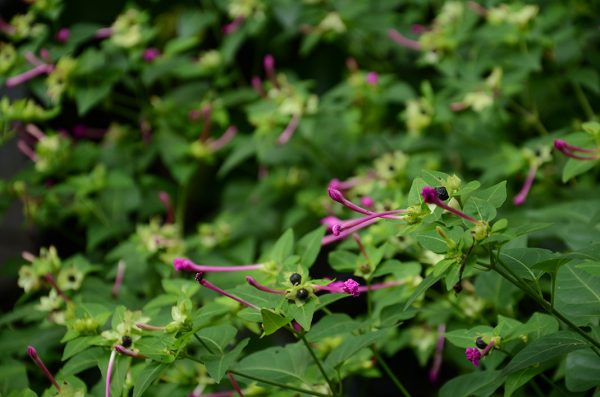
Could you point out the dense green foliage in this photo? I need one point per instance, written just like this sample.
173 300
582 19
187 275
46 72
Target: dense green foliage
303 139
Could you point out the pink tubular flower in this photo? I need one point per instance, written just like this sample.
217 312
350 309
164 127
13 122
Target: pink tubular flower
165 199
205 283
571 150
233 25
33 354
372 78
288 132
119 278
62 36
103 33
149 327
367 201
437 358
520 198
206 114
264 288
150 54
430 196
351 287
227 136
189 266
26 150
128 352
269 65
258 87
43 68
403 41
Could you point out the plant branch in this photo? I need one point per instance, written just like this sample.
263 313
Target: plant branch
318 362
280 385
389 373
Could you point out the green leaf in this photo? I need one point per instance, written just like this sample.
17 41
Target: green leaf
351 346
217 337
431 279
310 246
82 361
582 370
577 292
464 338
494 288
272 321
522 260
431 240
515 380
331 325
278 364
283 247
88 96
546 348
218 366
342 261
480 209
149 374
13 376
303 314
538 325
575 167
80 344
473 384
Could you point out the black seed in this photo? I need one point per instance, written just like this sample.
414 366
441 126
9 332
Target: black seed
71 278
458 287
295 279
126 341
480 343
537 152
302 294
442 193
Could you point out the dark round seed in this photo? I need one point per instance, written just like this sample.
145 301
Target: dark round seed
442 193
480 343
295 279
126 341
302 294
71 278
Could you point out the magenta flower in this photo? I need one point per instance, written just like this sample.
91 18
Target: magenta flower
205 283
351 287
571 150
367 201
33 354
403 41
430 196
372 78
165 199
269 65
103 33
522 195
62 36
189 266
258 86
150 54
473 355
419 29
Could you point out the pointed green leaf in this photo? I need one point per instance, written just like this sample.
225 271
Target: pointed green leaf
218 366
310 246
149 375
272 321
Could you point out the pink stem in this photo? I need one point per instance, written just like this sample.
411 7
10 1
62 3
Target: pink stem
207 115
189 266
233 25
32 352
337 229
261 287
234 383
30 74
6 27
269 65
209 285
111 362
32 59
227 136
28 256
337 195
403 41
50 279
287 134
522 195
149 327
119 278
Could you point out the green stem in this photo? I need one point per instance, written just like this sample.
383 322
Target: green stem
585 104
548 307
280 385
318 362
389 373
369 304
